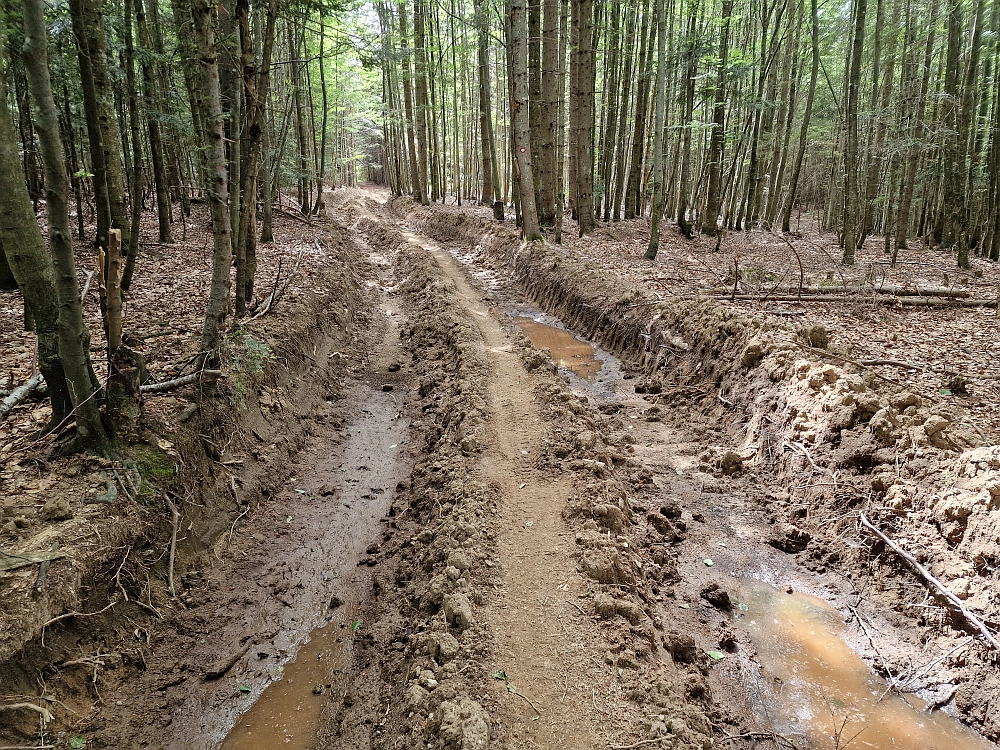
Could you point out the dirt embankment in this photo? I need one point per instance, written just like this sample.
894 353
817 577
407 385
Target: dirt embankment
91 623
834 440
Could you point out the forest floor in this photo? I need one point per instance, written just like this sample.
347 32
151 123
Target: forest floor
639 525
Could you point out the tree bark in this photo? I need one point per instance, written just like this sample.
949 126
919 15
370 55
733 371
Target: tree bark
660 107
153 103
793 184
199 51
584 104
713 203
74 341
519 114
853 209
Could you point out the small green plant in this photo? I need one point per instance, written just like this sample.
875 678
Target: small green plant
246 359
78 742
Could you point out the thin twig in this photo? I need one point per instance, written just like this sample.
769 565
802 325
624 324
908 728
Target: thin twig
73 614
522 695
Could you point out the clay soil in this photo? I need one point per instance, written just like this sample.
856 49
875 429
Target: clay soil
486 550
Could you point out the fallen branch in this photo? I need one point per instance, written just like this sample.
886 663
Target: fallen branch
278 292
175 518
19 394
640 743
877 299
170 385
839 290
925 574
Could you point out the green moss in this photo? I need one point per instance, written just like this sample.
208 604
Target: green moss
155 466
245 361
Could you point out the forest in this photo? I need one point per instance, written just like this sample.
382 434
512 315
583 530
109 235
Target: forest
471 374
722 117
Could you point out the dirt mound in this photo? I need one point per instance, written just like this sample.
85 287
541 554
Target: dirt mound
439 547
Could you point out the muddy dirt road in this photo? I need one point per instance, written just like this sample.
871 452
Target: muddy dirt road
486 543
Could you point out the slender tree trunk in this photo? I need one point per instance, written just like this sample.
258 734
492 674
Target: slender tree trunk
548 106
633 201
422 98
585 101
793 183
256 90
519 114
92 117
74 342
199 50
660 106
713 205
903 210
684 186
153 103
853 210
416 177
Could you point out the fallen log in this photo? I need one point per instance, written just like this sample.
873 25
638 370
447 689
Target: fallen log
934 582
879 299
840 289
169 385
19 394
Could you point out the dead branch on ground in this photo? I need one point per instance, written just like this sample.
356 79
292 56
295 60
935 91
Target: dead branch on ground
19 394
940 587
170 385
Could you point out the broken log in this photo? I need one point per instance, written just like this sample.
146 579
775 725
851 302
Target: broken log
169 385
840 289
934 582
878 299
19 394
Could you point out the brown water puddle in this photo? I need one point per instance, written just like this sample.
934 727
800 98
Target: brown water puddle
288 713
567 350
813 682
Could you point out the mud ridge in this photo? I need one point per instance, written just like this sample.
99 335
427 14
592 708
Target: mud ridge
618 587
425 640
833 438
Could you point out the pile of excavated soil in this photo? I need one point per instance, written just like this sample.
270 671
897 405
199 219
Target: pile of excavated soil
836 441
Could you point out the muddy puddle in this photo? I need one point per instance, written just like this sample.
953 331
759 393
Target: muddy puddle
567 350
814 690
289 711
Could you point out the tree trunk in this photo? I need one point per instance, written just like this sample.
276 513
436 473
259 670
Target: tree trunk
853 209
793 184
421 96
199 50
549 103
584 103
713 203
660 108
633 201
520 119
74 341
416 178
684 186
256 90
153 103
